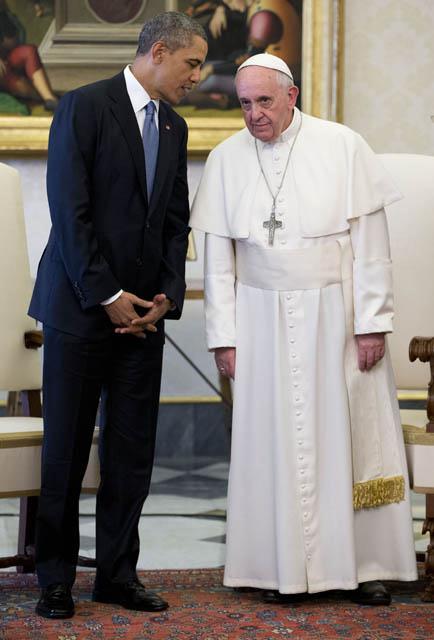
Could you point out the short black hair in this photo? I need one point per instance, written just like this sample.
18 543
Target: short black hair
175 29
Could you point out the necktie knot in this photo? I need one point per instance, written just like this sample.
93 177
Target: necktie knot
150 108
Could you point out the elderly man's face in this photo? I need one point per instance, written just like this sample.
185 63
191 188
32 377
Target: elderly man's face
267 106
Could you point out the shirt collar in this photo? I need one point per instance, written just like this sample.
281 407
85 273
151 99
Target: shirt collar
137 93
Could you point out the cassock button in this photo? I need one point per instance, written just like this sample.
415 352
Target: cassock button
290 311
139 262
299 428
300 457
291 326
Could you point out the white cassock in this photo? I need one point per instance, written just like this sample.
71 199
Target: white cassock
301 407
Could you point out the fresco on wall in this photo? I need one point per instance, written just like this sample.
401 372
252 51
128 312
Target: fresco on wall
23 78
32 80
238 29
115 12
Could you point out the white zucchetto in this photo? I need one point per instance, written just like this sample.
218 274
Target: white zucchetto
268 61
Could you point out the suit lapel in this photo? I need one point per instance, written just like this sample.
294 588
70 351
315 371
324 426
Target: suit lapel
122 110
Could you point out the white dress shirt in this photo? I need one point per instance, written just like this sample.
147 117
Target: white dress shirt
139 98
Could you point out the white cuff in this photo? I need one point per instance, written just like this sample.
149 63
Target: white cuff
112 299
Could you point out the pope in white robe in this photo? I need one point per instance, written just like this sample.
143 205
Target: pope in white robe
297 305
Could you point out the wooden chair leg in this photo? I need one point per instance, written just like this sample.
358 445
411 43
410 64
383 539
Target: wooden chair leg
422 349
26 533
428 527
13 404
31 403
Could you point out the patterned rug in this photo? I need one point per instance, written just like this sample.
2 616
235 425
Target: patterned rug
202 609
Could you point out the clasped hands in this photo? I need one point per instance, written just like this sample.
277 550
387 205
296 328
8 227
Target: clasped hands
123 314
370 350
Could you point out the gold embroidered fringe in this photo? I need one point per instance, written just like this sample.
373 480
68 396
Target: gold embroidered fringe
378 492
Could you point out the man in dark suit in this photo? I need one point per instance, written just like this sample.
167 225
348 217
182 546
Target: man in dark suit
112 269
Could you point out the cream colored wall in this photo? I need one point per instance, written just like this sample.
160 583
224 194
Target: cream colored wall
388 73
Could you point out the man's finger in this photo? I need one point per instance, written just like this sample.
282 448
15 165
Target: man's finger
370 359
137 328
159 298
148 318
362 359
139 302
130 329
151 327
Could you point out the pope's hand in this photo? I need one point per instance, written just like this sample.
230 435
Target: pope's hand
370 348
225 360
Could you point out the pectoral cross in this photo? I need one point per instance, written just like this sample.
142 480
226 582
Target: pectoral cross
272 224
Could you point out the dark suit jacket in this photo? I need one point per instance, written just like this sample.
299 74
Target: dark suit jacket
105 235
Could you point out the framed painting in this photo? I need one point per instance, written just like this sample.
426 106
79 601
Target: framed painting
52 46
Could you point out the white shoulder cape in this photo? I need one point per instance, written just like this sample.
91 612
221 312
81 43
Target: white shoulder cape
337 177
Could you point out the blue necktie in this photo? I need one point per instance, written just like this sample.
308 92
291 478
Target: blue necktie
150 146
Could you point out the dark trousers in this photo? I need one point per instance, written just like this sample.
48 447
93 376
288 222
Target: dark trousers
125 372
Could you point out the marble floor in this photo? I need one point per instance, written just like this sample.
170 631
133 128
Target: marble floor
182 523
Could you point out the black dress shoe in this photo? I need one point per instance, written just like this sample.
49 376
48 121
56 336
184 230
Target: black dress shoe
56 602
131 595
371 593
270 596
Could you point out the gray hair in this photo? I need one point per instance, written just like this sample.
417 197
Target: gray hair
283 80
175 30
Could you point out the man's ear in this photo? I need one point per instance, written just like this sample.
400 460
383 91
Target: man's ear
292 95
158 51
